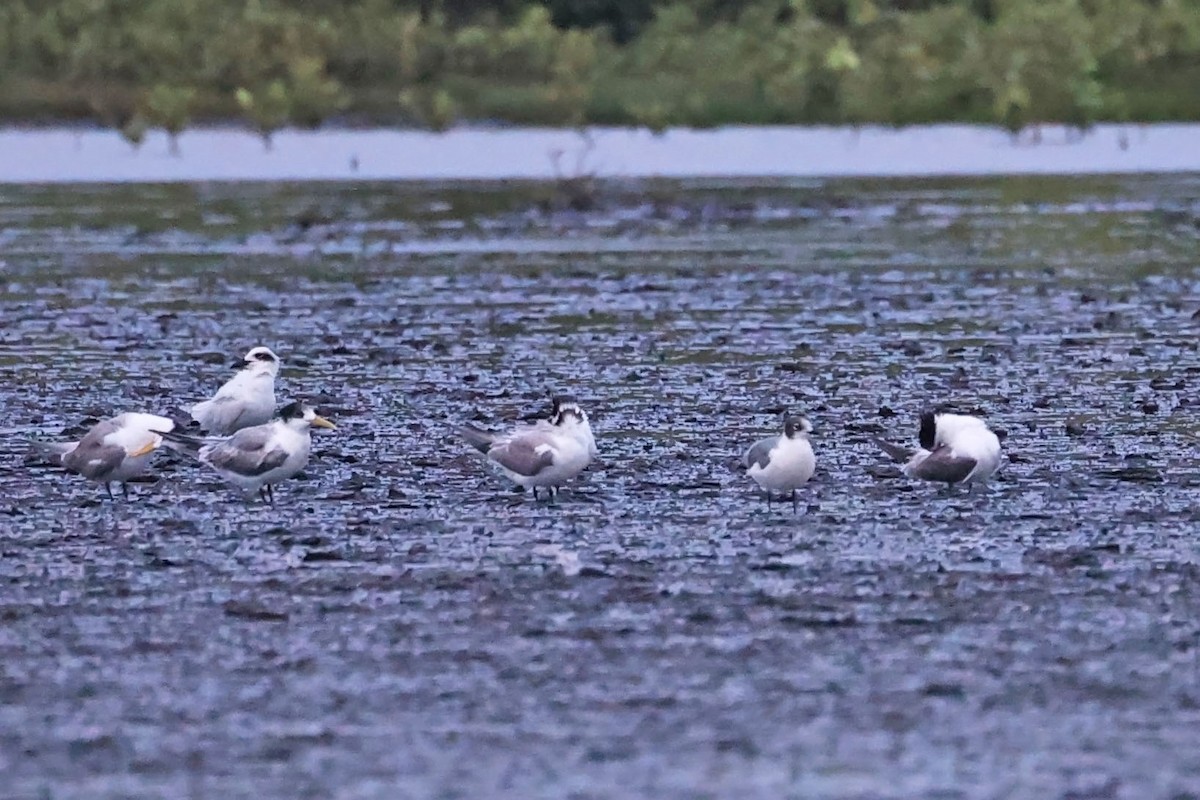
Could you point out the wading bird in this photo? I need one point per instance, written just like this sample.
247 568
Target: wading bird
114 449
255 459
955 448
544 455
783 463
245 400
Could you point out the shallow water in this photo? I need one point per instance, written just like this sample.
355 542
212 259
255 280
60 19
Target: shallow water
83 155
402 618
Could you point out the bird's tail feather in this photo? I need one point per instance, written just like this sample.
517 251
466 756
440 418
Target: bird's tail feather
182 442
898 453
183 419
481 440
52 451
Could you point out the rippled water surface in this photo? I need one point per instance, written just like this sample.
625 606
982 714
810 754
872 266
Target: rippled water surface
403 623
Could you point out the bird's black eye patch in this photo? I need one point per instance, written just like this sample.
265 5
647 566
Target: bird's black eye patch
264 356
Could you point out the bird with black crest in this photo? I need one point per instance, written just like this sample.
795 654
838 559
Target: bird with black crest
255 459
954 448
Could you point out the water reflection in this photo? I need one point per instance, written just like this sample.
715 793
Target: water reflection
477 153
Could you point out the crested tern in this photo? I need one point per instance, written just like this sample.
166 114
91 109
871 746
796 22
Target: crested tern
256 458
955 448
245 400
783 463
115 449
546 454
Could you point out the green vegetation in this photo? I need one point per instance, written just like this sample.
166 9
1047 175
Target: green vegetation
140 64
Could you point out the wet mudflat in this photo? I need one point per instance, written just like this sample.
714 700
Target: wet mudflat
402 623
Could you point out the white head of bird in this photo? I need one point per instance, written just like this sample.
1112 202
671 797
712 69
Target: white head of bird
261 361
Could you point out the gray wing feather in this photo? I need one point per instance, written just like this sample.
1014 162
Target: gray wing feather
944 467
221 414
479 439
246 453
760 453
94 460
897 453
521 456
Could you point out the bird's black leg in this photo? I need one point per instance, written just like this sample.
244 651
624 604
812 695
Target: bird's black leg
534 492
793 501
262 493
108 488
768 499
553 494
270 494
125 489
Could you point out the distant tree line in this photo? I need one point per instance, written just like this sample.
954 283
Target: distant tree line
139 64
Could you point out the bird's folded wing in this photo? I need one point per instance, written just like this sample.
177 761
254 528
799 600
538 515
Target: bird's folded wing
220 413
251 451
523 456
94 460
759 453
100 452
943 466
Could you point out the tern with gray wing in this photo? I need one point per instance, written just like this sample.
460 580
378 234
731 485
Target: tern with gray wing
544 455
255 459
245 400
114 449
783 463
955 448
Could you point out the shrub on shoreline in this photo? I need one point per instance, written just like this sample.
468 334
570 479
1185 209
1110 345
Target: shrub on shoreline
135 64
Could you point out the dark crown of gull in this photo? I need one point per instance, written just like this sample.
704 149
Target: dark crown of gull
293 410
